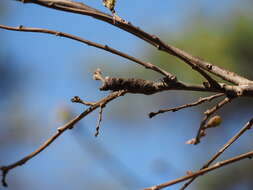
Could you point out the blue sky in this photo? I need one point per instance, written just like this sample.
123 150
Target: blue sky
59 69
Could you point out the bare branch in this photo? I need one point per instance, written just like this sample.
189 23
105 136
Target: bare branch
99 120
246 127
81 8
77 99
94 44
120 86
147 87
200 101
60 131
211 81
203 171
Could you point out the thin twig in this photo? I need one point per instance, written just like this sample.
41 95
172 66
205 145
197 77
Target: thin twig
200 101
203 171
208 113
60 131
77 99
99 120
94 44
212 83
246 127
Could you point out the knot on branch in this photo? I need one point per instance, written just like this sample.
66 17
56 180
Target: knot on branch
132 85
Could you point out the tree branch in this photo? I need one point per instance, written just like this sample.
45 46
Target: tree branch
147 87
99 120
81 8
246 127
203 171
216 87
120 86
94 44
200 101
60 131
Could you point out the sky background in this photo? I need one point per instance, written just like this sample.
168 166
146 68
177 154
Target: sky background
132 151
